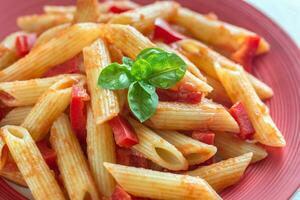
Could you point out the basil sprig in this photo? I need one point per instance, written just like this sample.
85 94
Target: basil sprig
153 68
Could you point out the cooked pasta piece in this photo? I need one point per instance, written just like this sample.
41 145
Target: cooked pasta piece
132 42
50 34
157 149
218 94
143 18
12 174
39 178
204 116
224 173
100 148
86 11
54 52
49 9
3 153
230 146
26 93
239 88
160 185
71 161
40 23
16 116
104 102
215 32
116 54
205 58
194 151
49 106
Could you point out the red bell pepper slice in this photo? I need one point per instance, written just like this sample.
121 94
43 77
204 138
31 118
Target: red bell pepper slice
205 137
118 10
48 154
185 96
239 113
245 54
78 111
123 132
120 194
130 157
163 31
24 44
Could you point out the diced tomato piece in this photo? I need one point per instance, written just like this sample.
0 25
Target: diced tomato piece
123 132
4 111
117 10
179 96
48 154
120 194
246 53
78 111
238 112
130 157
24 44
69 67
205 137
163 31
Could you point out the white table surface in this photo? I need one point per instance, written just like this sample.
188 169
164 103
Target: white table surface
285 12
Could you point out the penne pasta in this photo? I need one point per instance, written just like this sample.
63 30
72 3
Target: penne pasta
224 173
40 23
54 52
116 54
160 185
205 58
155 148
143 18
49 9
215 32
71 161
3 153
16 116
31 164
26 93
230 146
49 106
100 148
194 151
239 88
104 102
204 116
86 11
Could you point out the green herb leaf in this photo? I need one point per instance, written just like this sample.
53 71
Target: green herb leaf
142 100
146 53
167 69
114 77
141 69
128 62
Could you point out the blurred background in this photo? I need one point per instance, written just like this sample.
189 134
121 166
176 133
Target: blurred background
285 12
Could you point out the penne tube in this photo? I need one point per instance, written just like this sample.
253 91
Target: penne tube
116 54
157 149
16 116
104 102
54 52
50 34
224 173
194 151
3 153
71 161
49 9
216 33
143 18
100 148
26 93
160 185
239 89
40 23
86 11
131 43
181 116
49 106
230 146
39 178
205 58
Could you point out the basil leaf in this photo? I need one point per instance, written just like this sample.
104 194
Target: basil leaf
141 69
167 69
128 62
146 53
114 77
142 100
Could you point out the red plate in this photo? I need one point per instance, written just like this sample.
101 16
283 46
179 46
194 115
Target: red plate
278 176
